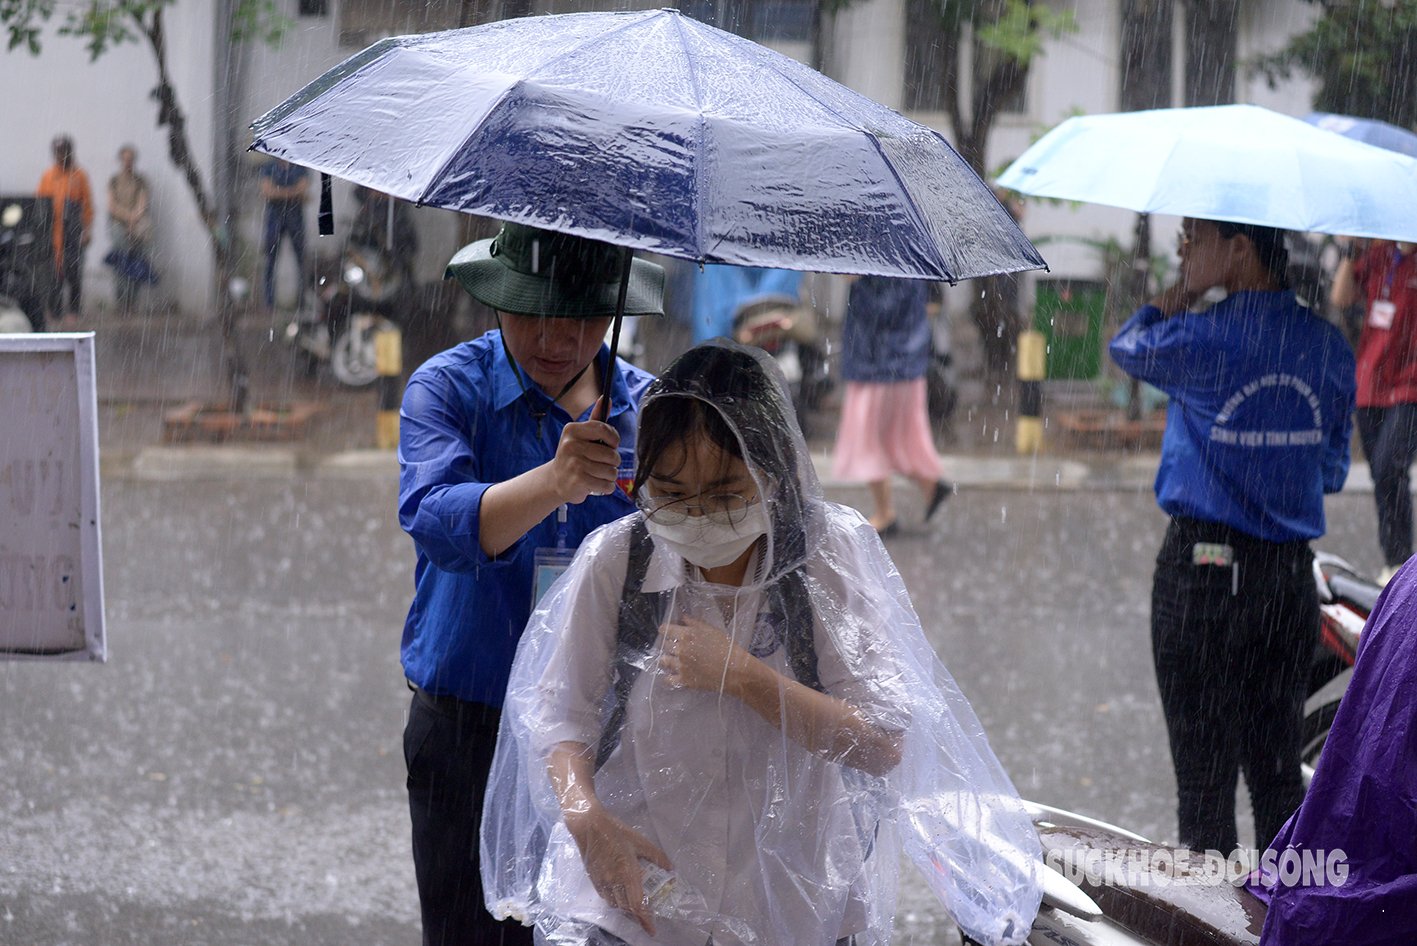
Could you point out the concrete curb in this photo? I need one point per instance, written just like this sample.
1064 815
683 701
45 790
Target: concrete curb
1040 473
213 462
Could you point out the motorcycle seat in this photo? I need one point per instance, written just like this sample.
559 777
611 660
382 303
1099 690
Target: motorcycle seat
1363 595
1145 888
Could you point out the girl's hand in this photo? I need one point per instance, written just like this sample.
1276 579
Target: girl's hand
699 656
611 852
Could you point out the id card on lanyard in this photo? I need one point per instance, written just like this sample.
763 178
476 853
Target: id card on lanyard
550 564
1383 310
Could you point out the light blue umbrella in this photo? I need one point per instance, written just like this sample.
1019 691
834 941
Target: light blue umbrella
1367 130
1240 163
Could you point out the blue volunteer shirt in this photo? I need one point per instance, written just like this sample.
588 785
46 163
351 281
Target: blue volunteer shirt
466 425
1261 408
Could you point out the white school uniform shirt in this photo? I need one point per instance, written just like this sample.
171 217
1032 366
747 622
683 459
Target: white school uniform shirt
763 829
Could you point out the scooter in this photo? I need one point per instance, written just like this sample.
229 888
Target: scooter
368 292
1106 886
1346 598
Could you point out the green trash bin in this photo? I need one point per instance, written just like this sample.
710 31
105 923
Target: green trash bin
1069 314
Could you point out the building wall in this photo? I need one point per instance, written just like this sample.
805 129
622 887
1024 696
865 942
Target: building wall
106 104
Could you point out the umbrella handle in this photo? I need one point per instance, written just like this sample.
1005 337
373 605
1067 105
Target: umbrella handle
615 330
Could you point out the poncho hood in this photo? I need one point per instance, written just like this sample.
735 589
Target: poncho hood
746 388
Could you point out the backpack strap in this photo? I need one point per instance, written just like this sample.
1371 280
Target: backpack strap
789 598
641 615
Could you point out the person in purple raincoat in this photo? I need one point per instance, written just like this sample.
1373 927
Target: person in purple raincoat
1363 802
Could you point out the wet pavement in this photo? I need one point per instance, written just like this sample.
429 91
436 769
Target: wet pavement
234 775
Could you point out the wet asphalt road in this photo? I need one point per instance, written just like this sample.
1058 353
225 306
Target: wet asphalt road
234 774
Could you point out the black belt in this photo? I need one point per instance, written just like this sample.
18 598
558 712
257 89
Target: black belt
446 704
451 705
1187 529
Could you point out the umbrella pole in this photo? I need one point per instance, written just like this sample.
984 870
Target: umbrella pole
615 330
1141 290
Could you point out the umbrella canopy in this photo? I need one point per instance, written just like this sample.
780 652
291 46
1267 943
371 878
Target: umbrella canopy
1367 130
1240 163
654 131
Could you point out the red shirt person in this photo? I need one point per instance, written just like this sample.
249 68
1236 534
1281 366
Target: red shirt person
1383 278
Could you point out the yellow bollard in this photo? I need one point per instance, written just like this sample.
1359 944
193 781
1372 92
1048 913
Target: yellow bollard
388 362
1032 368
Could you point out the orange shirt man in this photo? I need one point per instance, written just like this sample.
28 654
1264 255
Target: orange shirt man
67 186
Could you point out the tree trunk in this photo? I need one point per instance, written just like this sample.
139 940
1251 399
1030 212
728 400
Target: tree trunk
995 312
1145 82
1211 51
171 117
1145 79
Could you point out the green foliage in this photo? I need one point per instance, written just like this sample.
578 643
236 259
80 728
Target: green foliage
1015 28
103 24
1022 27
259 21
1361 53
24 19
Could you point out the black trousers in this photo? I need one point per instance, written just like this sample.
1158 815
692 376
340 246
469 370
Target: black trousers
1232 645
69 274
1389 437
448 746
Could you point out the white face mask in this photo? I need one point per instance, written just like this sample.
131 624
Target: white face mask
711 540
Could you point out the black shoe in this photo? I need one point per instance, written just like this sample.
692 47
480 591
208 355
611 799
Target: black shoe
889 529
944 489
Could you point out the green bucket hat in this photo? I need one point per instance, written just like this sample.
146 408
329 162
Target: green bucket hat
528 271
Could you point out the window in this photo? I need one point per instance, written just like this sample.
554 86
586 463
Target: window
764 21
925 57
929 47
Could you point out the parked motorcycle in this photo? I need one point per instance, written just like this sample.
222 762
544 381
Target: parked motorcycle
25 262
1106 886
367 291
1346 598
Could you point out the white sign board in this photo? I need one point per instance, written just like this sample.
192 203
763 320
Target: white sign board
51 573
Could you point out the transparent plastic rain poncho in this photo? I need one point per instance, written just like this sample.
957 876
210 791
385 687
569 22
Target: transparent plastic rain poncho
771 842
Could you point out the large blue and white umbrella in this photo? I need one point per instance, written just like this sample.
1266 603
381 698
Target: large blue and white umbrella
653 131
1367 130
1240 163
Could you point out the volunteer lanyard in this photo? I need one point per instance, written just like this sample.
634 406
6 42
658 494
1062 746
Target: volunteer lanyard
537 415
1394 261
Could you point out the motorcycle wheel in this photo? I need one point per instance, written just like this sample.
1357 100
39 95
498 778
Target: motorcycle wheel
352 354
1319 712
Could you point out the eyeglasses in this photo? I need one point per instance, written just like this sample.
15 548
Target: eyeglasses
673 511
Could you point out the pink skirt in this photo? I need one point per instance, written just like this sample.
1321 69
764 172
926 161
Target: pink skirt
885 429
